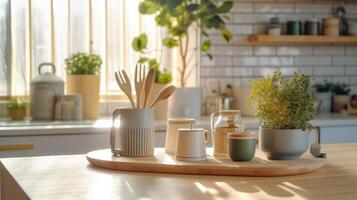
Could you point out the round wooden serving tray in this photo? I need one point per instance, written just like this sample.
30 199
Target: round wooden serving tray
164 163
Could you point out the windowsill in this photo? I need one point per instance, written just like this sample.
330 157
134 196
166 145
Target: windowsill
102 125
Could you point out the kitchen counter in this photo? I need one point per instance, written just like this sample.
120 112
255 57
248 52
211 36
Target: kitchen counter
102 125
72 177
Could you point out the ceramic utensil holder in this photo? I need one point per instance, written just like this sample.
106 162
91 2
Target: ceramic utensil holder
135 131
171 132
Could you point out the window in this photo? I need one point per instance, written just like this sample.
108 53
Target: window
36 31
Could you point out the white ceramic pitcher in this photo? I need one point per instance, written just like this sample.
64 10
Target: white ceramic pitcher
135 130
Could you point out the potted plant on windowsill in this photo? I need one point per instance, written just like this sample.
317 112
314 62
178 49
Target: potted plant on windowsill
285 107
323 96
83 78
340 99
17 109
180 19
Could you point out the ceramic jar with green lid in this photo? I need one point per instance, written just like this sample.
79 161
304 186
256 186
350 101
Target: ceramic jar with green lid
241 146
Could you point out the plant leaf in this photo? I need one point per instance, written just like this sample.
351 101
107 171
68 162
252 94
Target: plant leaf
153 64
147 7
170 42
206 45
143 60
227 35
225 7
139 43
192 7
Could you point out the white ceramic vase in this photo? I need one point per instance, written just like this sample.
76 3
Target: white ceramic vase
186 102
325 100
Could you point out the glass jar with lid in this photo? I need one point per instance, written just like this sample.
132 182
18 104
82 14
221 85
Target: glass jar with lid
222 123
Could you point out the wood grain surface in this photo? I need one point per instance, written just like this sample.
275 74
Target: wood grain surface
164 163
72 177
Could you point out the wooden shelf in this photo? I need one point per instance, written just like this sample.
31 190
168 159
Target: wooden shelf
302 39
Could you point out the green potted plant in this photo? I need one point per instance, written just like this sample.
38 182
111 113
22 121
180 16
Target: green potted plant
83 78
340 99
180 19
323 96
17 109
285 107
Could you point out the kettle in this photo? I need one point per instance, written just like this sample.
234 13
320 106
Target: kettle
44 89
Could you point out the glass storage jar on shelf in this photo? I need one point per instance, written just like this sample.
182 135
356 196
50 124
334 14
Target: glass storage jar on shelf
228 121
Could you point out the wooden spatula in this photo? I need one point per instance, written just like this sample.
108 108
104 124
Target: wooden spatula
149 83
164 94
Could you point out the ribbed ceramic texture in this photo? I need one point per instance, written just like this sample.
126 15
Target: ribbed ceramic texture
137 141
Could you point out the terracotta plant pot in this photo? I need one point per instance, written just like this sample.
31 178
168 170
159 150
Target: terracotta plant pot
88 87
17 114
340 103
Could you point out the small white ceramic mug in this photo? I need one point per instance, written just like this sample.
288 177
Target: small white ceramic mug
171 132
191 144
136 132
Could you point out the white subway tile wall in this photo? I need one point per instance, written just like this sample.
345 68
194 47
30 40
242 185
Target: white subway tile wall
237 62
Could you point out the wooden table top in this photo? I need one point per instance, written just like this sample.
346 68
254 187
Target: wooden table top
72 177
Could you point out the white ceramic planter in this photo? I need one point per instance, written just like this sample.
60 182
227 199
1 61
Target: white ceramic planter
186 102
325 100
283 144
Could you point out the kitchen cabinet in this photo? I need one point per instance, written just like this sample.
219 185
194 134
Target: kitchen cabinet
42 145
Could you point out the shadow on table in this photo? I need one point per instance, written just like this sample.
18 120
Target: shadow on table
155 185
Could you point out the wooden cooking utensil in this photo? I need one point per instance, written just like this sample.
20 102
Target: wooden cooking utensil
149 83
139 82
164 94
124 84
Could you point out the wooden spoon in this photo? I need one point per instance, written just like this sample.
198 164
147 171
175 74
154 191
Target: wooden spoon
149 83
164 94
139 82
124 84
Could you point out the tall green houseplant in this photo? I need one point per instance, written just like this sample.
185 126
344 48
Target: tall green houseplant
177 17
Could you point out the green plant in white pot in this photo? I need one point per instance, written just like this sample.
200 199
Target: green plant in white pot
181 20
285 107
323 96
83 78
340 99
